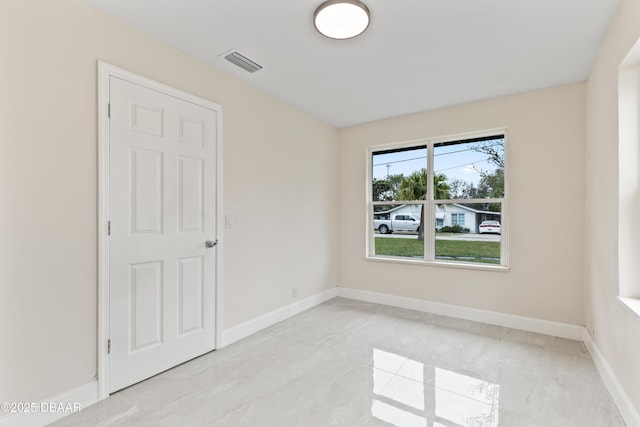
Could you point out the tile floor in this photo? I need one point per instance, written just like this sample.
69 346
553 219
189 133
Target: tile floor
349 363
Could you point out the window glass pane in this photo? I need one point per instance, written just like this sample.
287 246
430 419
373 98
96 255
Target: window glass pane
470 232
470 169
399 174
400 233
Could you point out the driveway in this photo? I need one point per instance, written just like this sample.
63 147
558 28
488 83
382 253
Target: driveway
447 236
470 237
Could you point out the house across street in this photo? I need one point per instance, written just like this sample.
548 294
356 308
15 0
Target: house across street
446 215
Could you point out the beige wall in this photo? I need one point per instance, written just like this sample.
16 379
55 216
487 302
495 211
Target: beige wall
615 328
546 201
280 182
281 172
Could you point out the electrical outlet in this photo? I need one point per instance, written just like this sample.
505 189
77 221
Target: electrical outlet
295 292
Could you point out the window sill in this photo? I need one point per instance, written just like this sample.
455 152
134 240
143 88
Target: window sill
632 304
457 265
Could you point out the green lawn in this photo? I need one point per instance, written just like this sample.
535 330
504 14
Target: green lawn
455 250
411 247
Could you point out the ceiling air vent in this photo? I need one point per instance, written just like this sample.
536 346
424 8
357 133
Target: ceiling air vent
242 61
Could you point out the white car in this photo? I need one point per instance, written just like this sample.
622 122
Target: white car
398 222
490 227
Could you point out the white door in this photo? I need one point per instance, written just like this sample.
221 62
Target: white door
162 196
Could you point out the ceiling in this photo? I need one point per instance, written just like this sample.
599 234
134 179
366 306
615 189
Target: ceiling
417 55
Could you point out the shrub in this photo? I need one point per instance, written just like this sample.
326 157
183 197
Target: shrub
454 229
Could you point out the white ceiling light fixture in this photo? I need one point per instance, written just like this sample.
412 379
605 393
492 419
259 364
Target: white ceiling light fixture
341 19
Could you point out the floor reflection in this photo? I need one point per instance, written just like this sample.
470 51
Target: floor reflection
465 400
404 398
396 416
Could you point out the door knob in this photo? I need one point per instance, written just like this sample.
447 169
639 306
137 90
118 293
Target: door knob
210 243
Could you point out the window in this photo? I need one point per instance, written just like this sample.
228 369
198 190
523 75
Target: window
454 184
457 219
628 167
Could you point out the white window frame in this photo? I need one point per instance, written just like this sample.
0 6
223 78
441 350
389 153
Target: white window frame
430 203
628 142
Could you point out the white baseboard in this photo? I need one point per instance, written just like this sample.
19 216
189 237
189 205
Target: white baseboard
563 330
46 411
558 329
619 396
54 408
87 394
259 323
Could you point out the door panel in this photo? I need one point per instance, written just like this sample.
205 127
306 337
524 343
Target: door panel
191 287
162 192
191 185
146 191
145 286
191 131
147 119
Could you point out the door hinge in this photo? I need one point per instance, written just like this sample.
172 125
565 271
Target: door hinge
109 346
108 228
109 110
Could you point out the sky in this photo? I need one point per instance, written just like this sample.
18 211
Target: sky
455 161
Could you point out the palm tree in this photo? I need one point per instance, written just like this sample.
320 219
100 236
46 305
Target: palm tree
414 187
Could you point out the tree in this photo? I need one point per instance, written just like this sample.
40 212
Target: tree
441 189
457 187
463 190
394 182
494 150
387 188
414 187
381 189
492 183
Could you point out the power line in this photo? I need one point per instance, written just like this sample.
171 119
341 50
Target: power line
435 155
459 166
455 167
466 149
400 161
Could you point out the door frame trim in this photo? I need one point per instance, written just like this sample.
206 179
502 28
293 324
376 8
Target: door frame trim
105 72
